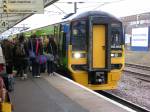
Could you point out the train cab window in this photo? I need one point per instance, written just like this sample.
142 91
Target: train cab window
116 38
78 38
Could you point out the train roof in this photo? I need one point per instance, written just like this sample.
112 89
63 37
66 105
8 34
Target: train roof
95 13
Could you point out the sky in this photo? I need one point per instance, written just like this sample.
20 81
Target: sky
54 13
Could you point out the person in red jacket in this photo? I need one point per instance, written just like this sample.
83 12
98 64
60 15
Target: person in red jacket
36 47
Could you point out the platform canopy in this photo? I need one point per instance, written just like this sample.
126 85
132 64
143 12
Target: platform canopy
58 10
8 20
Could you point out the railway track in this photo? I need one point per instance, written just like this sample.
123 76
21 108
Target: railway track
140 71
123 101
143 67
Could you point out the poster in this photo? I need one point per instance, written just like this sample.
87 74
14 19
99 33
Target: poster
140 37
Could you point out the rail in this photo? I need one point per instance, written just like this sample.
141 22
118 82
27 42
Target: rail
123 101
143 67
140 71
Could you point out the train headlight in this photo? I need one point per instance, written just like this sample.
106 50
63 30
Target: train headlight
78 55
114 55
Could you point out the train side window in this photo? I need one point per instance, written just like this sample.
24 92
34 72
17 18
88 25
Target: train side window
78 38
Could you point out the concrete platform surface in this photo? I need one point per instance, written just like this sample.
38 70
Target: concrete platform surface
56 94
138 57
37 95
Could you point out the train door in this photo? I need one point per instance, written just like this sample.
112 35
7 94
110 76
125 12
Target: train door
64 29
99 50
99 33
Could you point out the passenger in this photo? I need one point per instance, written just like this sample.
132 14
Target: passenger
35 49
21 59
7 47
45 42
42 64
51 53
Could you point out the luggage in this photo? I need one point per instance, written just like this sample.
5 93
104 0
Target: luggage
5 107
41 59
50 57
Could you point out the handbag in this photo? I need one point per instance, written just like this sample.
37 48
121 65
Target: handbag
41 59
50 57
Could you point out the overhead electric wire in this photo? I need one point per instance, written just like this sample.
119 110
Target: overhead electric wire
56 12
59 9
80 2
102 4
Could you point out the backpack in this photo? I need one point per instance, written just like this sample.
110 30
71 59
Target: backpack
20 50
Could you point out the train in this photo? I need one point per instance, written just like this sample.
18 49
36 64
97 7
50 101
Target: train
90 48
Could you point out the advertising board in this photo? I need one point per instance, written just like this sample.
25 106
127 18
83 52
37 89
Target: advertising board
140 38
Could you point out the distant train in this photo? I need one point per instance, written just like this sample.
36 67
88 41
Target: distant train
91 48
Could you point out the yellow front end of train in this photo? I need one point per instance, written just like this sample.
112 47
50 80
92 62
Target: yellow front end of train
98 65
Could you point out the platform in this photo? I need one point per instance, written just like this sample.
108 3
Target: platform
138 57
57 94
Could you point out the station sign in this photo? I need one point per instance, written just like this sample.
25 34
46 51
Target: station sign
140 37
23 6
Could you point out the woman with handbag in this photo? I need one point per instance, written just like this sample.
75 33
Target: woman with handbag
51 53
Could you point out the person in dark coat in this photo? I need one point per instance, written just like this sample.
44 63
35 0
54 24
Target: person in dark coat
21 55
7 48
52 52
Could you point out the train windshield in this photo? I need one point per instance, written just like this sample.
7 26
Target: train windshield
78 38
116 38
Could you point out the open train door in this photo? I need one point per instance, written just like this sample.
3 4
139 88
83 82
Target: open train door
99 50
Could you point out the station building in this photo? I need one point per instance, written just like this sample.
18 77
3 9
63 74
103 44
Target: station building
137 32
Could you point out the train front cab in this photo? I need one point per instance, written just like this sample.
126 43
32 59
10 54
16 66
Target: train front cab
96 53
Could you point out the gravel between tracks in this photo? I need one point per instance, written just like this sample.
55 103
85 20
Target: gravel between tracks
134 90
